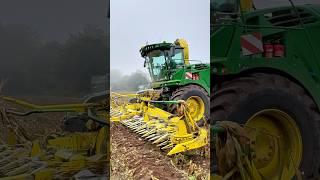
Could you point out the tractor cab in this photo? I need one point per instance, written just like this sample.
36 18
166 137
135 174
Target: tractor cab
164 59
231 7
225 11
225 6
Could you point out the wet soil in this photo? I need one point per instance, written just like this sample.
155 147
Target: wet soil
134 158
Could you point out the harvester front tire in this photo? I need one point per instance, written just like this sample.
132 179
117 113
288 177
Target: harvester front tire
241 98
183 93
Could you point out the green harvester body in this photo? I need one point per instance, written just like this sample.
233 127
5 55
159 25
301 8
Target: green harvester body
169 77
297 28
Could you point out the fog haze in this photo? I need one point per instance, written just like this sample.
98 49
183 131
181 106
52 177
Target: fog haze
135 23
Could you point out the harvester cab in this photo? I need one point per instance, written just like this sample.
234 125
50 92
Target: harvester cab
164 59
229 10
232 6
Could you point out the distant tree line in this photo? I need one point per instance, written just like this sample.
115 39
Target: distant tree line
128 83
31 66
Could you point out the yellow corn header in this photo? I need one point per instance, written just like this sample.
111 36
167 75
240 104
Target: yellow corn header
174 132
59 155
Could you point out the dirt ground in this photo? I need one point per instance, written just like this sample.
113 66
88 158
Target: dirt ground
134 158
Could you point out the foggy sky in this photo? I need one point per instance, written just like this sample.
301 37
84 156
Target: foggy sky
133 23
54 19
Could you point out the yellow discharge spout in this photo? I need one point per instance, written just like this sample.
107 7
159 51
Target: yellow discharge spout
184 44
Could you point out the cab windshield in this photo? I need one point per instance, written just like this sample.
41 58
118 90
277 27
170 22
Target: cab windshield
162 63
222 11
224 6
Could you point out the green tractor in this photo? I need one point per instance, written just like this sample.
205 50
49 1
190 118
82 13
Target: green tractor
176 79
266 76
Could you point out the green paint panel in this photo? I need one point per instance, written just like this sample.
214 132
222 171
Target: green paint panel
300 35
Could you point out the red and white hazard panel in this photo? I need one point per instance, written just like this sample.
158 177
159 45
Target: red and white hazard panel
193 76
251 44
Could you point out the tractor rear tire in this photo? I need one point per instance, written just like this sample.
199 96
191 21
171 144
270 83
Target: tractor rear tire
241 98
185 92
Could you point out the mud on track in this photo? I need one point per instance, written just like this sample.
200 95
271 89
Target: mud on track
134 158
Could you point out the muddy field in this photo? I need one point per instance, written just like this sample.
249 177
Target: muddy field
134 158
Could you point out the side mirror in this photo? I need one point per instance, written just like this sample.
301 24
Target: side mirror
145 62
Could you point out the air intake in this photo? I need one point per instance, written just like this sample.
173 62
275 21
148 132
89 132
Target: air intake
200 66
289 17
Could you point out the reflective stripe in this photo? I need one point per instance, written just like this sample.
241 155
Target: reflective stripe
251 44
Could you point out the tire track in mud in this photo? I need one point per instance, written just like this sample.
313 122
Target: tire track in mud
133 158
